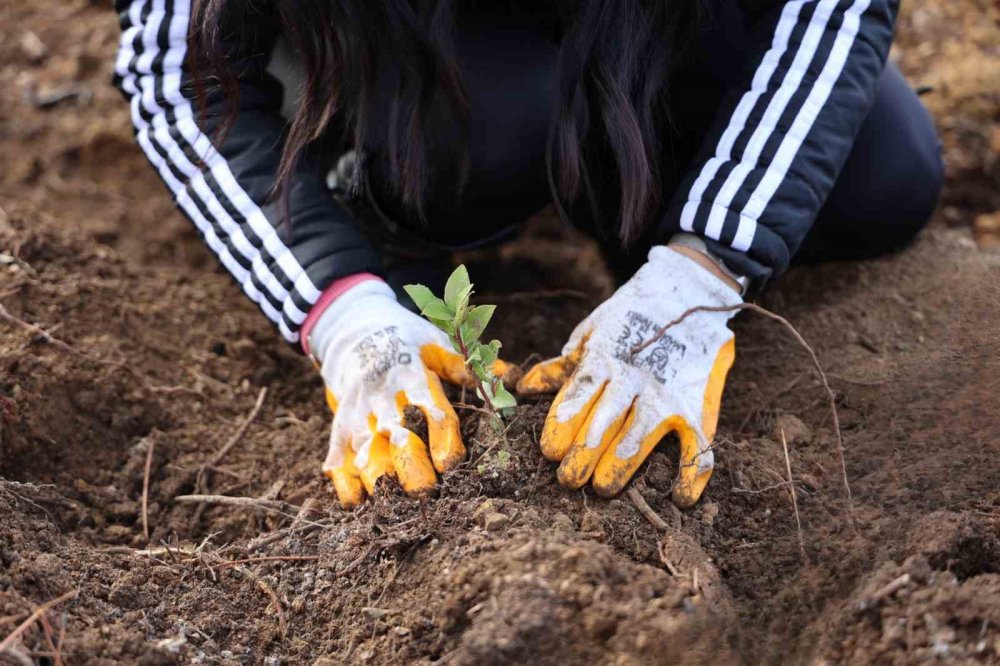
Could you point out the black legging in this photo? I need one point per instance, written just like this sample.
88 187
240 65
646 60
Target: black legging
885 194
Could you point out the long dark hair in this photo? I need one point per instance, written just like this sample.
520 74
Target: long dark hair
615 58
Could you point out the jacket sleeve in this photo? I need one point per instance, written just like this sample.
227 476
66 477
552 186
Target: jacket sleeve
224 186
784 130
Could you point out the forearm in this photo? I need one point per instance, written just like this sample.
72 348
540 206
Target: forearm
784 130
223 177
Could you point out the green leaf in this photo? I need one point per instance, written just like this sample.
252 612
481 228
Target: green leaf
476 320
475 356
488 354
457 284
502 398
463 305
447 328
481 373
421 295
437 309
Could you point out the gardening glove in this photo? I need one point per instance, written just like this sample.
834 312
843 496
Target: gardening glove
377 358
615 406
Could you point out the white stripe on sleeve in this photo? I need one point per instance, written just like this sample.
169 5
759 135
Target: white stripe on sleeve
139 80
804 121
769 121
737 122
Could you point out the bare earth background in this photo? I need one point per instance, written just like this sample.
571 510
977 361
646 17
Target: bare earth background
165 355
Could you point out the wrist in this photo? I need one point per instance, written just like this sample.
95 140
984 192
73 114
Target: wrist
683 279
333 304
706 262
694 248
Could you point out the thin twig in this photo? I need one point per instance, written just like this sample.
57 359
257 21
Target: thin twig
41 610
474 408
200 482
266 589
759 491
277 535
662 551
229 500
235 438
19 657
5 315
647 511
145 487
805 345
268 558
885 591
795 501
53 647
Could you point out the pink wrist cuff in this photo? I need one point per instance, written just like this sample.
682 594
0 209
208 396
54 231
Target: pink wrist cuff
329 295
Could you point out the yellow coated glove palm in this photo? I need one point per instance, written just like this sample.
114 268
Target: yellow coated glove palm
377 358
615 406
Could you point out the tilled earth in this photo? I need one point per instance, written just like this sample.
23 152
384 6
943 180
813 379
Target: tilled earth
133 348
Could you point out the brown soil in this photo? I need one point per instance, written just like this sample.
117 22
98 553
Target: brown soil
504 566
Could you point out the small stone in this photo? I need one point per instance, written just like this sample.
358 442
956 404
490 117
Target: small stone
494 522
795 429
487 507
243 349
118 533
33 47
373 613
562 523
591 522
708 513
809 481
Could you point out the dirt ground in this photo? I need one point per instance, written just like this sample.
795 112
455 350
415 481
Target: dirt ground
150 353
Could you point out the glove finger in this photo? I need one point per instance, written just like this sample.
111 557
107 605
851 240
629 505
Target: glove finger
713 390
413 466
407 451
696 465
549 376
373 459
697 459
443 433
339 468
628 451
568 413
612 413
450 366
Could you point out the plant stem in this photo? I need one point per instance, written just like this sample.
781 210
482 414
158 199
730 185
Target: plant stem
479 387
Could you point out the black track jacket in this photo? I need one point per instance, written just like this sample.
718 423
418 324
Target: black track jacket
778 142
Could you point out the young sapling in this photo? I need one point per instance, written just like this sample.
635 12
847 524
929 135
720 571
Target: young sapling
464 324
